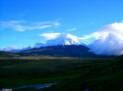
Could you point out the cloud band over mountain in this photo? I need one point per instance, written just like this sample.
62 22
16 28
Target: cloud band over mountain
108 40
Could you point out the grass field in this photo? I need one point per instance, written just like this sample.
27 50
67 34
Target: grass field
100 74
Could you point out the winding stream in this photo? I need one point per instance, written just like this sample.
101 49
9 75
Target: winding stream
34 86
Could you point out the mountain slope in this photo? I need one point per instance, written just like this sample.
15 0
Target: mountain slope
59 50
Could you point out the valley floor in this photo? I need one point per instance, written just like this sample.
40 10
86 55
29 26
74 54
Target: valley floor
69 74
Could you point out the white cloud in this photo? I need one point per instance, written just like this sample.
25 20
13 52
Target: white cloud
60 39
50 36
15 25
24 26
108 40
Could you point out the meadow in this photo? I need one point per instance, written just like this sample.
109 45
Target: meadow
69 74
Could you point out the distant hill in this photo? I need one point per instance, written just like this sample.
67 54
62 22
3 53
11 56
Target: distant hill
7 54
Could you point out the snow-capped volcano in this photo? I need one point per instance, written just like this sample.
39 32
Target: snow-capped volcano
62 39
106 41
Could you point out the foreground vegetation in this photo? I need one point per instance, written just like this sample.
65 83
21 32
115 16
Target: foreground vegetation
100 74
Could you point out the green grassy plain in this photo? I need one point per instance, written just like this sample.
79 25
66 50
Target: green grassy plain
101 74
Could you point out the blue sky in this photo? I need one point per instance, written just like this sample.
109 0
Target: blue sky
22 21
